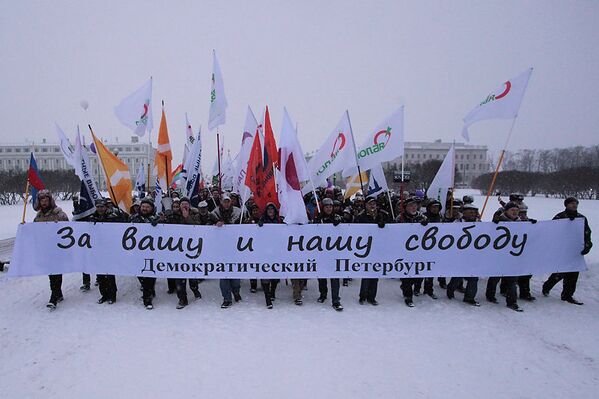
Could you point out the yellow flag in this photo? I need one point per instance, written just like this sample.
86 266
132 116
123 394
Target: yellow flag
118 179
353 184
164 156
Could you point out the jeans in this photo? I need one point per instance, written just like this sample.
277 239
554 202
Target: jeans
570 280
471 286
228 287
297 284
510 289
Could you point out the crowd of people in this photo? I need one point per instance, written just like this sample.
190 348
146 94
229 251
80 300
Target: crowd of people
211 207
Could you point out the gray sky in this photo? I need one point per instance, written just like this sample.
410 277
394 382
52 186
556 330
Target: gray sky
318 58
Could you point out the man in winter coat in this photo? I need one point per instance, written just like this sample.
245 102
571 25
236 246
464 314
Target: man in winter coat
371 214
411 214
147 215
49 212
226 213
570 278
269 285
328 216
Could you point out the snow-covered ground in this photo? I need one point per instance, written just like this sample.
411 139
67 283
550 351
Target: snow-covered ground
439 349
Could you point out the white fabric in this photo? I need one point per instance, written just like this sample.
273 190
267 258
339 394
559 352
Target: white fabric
377 183
218 100
247 139
135 111
444 179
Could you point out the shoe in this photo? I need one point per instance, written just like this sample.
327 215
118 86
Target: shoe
471 302
409 303
170 292
102 300
529 298
515 307
416 293
298 302
196 294
361 301
148 305
572 301
450 295
52 303
337 306
253 290
373 302
432 295
545 292
111 301
84 287
181 305
237 297
492 299
345 283
225 305
321 299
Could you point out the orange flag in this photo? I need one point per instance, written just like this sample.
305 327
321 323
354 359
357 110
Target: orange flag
254 177
118 179
164 156
271 161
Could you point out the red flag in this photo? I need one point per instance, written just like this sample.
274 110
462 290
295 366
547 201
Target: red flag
254 177
271 161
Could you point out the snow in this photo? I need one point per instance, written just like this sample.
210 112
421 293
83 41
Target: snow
437 349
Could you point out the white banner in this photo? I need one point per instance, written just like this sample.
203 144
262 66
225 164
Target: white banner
292 251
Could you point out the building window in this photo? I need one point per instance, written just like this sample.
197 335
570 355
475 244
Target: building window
462 156
17 150
136 149
44 150
467 166
9 150
467 156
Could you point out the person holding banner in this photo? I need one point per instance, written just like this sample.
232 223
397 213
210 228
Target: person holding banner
570 278
49 212
328 216
411 214
269 286
510 214
146 214
371 214
106 282
226 213
469 215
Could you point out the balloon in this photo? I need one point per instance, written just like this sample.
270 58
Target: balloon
84 104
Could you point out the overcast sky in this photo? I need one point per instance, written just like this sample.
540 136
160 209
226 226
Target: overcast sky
318 58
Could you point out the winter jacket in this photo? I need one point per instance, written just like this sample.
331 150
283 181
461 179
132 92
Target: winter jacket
417 217
333 218
230 216
53 214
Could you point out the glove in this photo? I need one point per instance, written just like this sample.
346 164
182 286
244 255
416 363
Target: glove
571 218
336 222
424 223
260 223
154 222
533 221
381 224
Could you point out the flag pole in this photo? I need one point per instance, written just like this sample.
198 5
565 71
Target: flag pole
310 180
452 184
218 155
25 202
401 199
351 131
498 166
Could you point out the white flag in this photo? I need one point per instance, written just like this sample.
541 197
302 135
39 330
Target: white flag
83 169
247 139
140 180
384 143
444 179
228 172
218 100
336 154
502 103
189 139
135 111
377 183
66 148
293 171
194 166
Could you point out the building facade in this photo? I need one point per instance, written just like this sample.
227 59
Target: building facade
15 157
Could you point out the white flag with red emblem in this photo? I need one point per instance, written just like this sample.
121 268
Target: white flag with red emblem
135 111
502 103
384 143
336 154
293 171
218 101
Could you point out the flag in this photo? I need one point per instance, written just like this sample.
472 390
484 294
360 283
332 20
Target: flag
293 170
353 185
135 111
502 103
228 172
87 205
218 101
35 180
189 139
216 173
255 173
247 139
377 183
444 179
384 143
336 154
194 167
65 147
140 180
118 179
164 155
176 175
270 163
158 197
83 170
